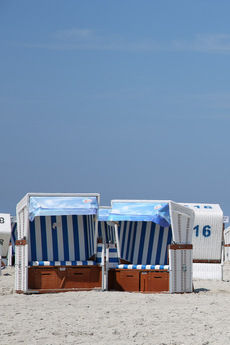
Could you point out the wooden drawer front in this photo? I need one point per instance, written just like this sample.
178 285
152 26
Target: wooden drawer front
64 277
95 276
46 278
154 281
127 280
77 277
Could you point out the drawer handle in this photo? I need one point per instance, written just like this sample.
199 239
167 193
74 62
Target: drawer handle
78 274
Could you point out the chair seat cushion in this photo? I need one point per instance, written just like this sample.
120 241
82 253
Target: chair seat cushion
62 263
144 267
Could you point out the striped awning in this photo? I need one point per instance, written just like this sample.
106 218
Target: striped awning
54 206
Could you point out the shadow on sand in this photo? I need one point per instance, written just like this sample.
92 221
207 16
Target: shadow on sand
200 290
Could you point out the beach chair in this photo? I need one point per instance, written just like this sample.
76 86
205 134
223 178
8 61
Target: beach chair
5 232
58 243
207 241
154 246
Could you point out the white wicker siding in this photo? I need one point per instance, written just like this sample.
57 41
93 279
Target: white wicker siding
207 231
182 222
227 242
180 263
207 271
227 236
227 253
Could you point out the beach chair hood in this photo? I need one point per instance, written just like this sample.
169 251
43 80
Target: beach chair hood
104 213
157 212
42 206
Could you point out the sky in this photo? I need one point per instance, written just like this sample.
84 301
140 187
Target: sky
129 99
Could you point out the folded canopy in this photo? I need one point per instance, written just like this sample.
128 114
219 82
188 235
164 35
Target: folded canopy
157 212
54 206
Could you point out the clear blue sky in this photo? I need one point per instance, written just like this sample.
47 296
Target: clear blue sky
130 99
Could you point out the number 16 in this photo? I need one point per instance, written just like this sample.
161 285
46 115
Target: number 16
206 230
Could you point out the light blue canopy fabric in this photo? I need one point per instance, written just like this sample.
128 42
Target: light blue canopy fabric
103 214
54 206
141 211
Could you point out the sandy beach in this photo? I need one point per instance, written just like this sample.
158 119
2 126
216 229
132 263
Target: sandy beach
96 317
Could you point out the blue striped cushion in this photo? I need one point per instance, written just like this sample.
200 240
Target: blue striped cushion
144 267
62 263
113 258
113 250
99 248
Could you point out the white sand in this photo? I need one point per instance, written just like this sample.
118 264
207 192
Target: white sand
116 317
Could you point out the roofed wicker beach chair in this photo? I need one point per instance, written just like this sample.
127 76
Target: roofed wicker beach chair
154 246
57 243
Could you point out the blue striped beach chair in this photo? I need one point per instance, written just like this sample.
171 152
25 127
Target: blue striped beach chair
58 247
150 236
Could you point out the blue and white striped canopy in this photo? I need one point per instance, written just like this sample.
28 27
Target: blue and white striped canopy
141 211
54 206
